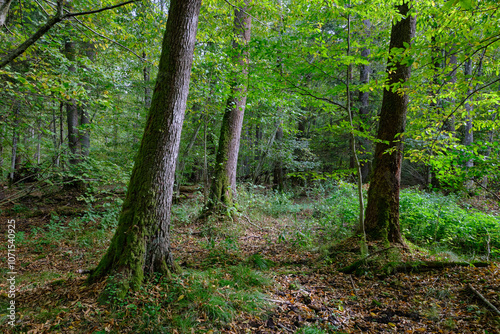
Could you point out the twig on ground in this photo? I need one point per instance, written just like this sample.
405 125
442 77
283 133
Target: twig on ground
284 327
255 225
484 299
353 285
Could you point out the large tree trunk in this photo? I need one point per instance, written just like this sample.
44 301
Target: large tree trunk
382 212
224 183
141 244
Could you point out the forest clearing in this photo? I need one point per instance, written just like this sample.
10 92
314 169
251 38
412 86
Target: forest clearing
240 166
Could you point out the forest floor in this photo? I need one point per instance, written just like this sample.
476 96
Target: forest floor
299 288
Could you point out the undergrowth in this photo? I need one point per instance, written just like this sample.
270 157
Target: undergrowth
194 300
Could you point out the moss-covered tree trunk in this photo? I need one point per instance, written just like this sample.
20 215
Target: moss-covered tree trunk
141 244
224 181
382 212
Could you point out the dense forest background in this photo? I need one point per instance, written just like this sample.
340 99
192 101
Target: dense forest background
103 65
302 86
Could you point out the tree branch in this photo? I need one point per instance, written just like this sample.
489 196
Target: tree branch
110 40
58 17
100 9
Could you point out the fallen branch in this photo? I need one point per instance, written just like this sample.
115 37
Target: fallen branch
253 224
487 190
484 299
353 285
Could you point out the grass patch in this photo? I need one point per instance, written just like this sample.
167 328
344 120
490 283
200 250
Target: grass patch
193 300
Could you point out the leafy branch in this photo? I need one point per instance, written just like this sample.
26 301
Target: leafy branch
58 17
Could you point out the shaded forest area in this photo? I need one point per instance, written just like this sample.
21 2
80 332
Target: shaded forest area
249 166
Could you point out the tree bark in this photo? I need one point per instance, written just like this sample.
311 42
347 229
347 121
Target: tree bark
364 78
224 183
141 244
382 212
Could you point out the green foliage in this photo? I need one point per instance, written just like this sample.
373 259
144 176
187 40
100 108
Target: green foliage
185 302
273 203
338 212
430 218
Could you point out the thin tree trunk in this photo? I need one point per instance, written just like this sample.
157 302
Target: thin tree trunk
264 154
181 162
14 162
38 141
364 110
84 133
451 55
55 159
278 178
382 212
355 159
468 133
141 244
61 128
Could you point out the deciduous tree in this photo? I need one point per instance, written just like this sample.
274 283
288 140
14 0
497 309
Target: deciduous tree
141 244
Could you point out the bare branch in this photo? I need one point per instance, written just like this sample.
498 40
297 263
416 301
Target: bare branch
100 9
110 40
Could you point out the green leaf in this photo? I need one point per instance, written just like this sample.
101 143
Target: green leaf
466 4
450 3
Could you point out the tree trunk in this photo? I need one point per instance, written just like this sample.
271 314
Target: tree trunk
55 159
224 183
90 52
14 162
364 78
264 154
451 55
38 140
72 111
84 132
61 128
278 164
141 244
468 133
382 212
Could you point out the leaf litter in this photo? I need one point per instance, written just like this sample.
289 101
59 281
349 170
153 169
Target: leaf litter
307 293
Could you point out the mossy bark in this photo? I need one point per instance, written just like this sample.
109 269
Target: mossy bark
382 212
141 244
224 181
